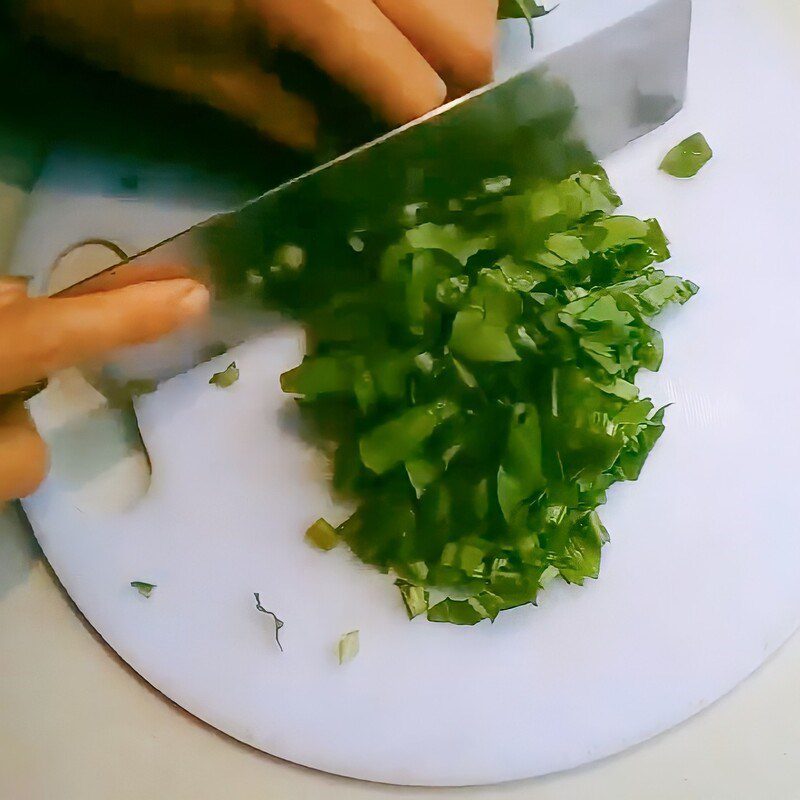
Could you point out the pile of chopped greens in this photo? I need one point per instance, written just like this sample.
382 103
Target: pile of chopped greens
476 391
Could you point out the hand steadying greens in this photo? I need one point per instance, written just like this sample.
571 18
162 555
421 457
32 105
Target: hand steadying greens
478 396
401 57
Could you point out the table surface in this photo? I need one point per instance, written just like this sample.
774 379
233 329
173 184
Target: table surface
77 724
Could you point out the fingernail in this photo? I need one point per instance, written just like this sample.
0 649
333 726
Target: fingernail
194 303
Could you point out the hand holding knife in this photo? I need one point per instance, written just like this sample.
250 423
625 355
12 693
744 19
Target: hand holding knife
41 335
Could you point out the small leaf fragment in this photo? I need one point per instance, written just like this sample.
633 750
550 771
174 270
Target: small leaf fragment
348 647
145 589
688 157
448 238
397 440
278 622
520 473
529 9
227 377
466 612
317 377
476 340
422 472
287 259
323 535
415 598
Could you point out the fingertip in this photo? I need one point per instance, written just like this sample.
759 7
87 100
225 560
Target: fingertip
24 462
471 64
37 466
146 311
458 46
437 96
420 98
183 298
194 303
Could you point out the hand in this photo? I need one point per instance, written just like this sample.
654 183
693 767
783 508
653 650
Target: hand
399 56
39 336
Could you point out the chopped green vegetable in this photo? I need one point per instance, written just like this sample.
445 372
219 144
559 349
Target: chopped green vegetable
686 159
398 439
475 379
348 647
415 598
278 622
287 259
227 377
323 535
520 475
447 238
317 377
144 589
529 9
467 612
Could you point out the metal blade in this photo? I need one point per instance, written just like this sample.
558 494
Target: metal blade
571 108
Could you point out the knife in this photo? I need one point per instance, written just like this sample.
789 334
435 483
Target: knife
569 108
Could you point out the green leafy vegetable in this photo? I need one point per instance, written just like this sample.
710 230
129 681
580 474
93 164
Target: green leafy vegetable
287 259
467 612
686 159
227 377
475 383
520 475
529 9
278 622
348 647
144 589
323 535
415 598
398 439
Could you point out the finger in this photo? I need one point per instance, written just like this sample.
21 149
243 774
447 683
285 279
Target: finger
457 39
258 99
43 335
243 91
178 47
12 289
23 455
359 47
234 86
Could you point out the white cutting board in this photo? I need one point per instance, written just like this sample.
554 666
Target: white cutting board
699 584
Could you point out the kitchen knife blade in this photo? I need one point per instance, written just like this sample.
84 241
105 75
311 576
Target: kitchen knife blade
570 108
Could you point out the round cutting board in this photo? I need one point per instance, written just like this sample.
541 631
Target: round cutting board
698 586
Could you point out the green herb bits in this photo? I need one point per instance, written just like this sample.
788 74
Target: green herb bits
686 159
476 389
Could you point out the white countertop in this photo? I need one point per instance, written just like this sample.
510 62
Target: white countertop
77 724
